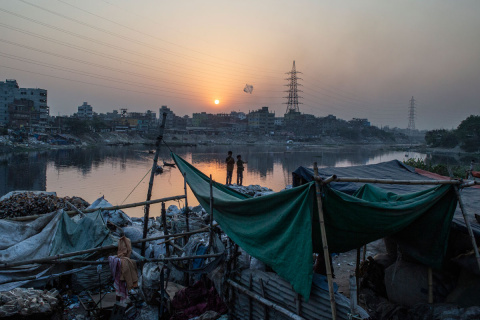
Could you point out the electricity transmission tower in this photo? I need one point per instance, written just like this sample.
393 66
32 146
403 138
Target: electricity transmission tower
292 104
411 115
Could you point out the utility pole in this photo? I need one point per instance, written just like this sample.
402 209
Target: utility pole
411 115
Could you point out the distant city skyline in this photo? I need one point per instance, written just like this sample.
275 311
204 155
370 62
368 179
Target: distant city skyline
358 59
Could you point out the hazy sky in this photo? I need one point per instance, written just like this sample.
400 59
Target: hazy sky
357 58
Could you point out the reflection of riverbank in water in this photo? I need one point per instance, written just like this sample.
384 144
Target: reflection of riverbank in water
115 171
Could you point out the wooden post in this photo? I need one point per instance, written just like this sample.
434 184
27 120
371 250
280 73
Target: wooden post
165 229
353 294
265 309
357 272
250 302
298 303
326 254
150 184
210 243
186 202
430 285
469 227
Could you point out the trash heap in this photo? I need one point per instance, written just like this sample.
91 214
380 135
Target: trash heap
21 302
33 203
253 190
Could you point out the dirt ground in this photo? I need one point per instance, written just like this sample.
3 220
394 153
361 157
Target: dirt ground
344 264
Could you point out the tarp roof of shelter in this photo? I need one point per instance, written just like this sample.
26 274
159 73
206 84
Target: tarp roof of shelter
282 230
51 234
397 170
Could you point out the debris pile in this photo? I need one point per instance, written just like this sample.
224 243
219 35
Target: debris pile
23 302
253 190
30 203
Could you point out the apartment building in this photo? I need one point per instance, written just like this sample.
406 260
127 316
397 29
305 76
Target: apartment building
11 91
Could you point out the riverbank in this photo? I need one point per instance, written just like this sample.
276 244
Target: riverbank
69 141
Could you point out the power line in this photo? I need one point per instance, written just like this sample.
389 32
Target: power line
120 36
157 38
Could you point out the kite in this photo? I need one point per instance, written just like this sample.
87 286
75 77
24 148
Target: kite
248 89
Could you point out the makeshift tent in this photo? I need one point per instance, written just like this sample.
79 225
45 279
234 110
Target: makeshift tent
282 230
51 234
397 170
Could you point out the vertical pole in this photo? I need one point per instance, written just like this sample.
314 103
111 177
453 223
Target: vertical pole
265 308
430 285
467 223
186 201
298 303
364 253
325 245
150 184
250 304
165 230
210 243
357 271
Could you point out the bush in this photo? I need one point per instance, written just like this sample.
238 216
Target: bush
441 169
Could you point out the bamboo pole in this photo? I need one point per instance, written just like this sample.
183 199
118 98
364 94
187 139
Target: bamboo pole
152 177
469 227
264 301
165 230
325 244
469 184
105 248
74 208
210 243
357 272
123 206
93 262
205 256
387 181
186 201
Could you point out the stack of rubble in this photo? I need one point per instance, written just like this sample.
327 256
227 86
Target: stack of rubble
22 302
253 190
33 203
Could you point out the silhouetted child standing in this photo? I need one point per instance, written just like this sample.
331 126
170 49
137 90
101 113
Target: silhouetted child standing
240 169
230 164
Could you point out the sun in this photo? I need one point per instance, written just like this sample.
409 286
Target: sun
217 101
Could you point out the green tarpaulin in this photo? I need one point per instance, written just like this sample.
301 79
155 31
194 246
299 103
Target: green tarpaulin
277 228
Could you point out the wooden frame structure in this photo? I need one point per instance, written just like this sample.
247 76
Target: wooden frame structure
456 183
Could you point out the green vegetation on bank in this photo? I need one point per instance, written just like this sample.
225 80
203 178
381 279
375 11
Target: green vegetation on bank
442 169
467 136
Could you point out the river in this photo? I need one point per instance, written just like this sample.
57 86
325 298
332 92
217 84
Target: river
117 172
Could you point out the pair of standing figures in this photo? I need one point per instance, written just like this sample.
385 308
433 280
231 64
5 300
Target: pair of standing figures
231 164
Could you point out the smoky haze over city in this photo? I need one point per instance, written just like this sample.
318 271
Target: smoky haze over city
359 59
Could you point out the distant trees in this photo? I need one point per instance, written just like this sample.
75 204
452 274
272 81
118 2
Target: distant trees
441 138
467 135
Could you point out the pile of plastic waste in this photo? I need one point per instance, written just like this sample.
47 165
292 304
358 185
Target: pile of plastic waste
23 302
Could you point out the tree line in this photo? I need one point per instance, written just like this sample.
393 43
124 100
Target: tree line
466 135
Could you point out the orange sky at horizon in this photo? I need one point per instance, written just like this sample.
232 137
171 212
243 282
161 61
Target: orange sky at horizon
358 59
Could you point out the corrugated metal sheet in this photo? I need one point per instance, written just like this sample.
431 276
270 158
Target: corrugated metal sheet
280 292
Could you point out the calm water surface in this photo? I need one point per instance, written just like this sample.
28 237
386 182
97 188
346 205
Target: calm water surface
114 172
